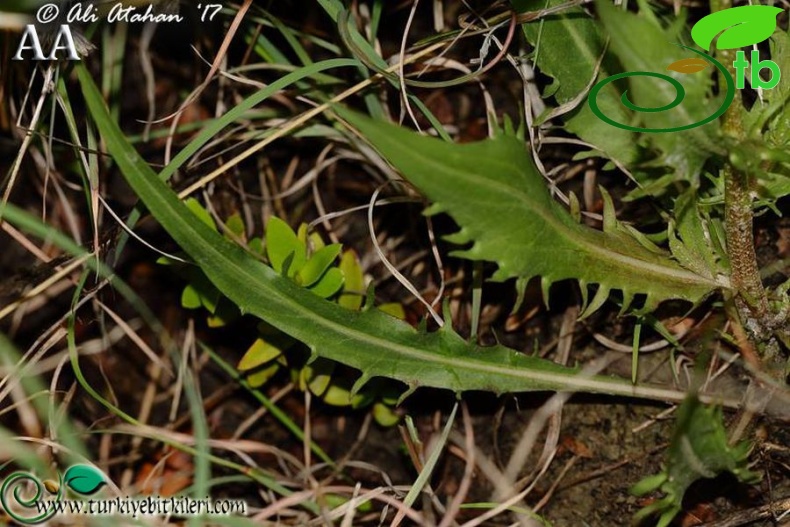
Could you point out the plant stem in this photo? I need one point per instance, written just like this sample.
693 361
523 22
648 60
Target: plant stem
751 299
745 274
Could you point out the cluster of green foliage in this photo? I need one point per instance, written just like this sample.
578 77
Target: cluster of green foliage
309 262
663 165
499 199
698 449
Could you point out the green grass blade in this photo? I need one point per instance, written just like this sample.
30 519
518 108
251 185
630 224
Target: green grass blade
430 463
213 128
275 410
38 392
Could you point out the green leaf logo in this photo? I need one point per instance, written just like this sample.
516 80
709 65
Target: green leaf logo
84 479
741 26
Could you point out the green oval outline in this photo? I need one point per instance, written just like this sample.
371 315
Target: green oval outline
728 98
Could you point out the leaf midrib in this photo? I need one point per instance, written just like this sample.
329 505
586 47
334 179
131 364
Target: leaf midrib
224 264
578 236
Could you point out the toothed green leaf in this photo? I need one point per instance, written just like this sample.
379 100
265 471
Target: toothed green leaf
695 250
699 449
371 341
495 193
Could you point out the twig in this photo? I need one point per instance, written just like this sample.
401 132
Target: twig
746 517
